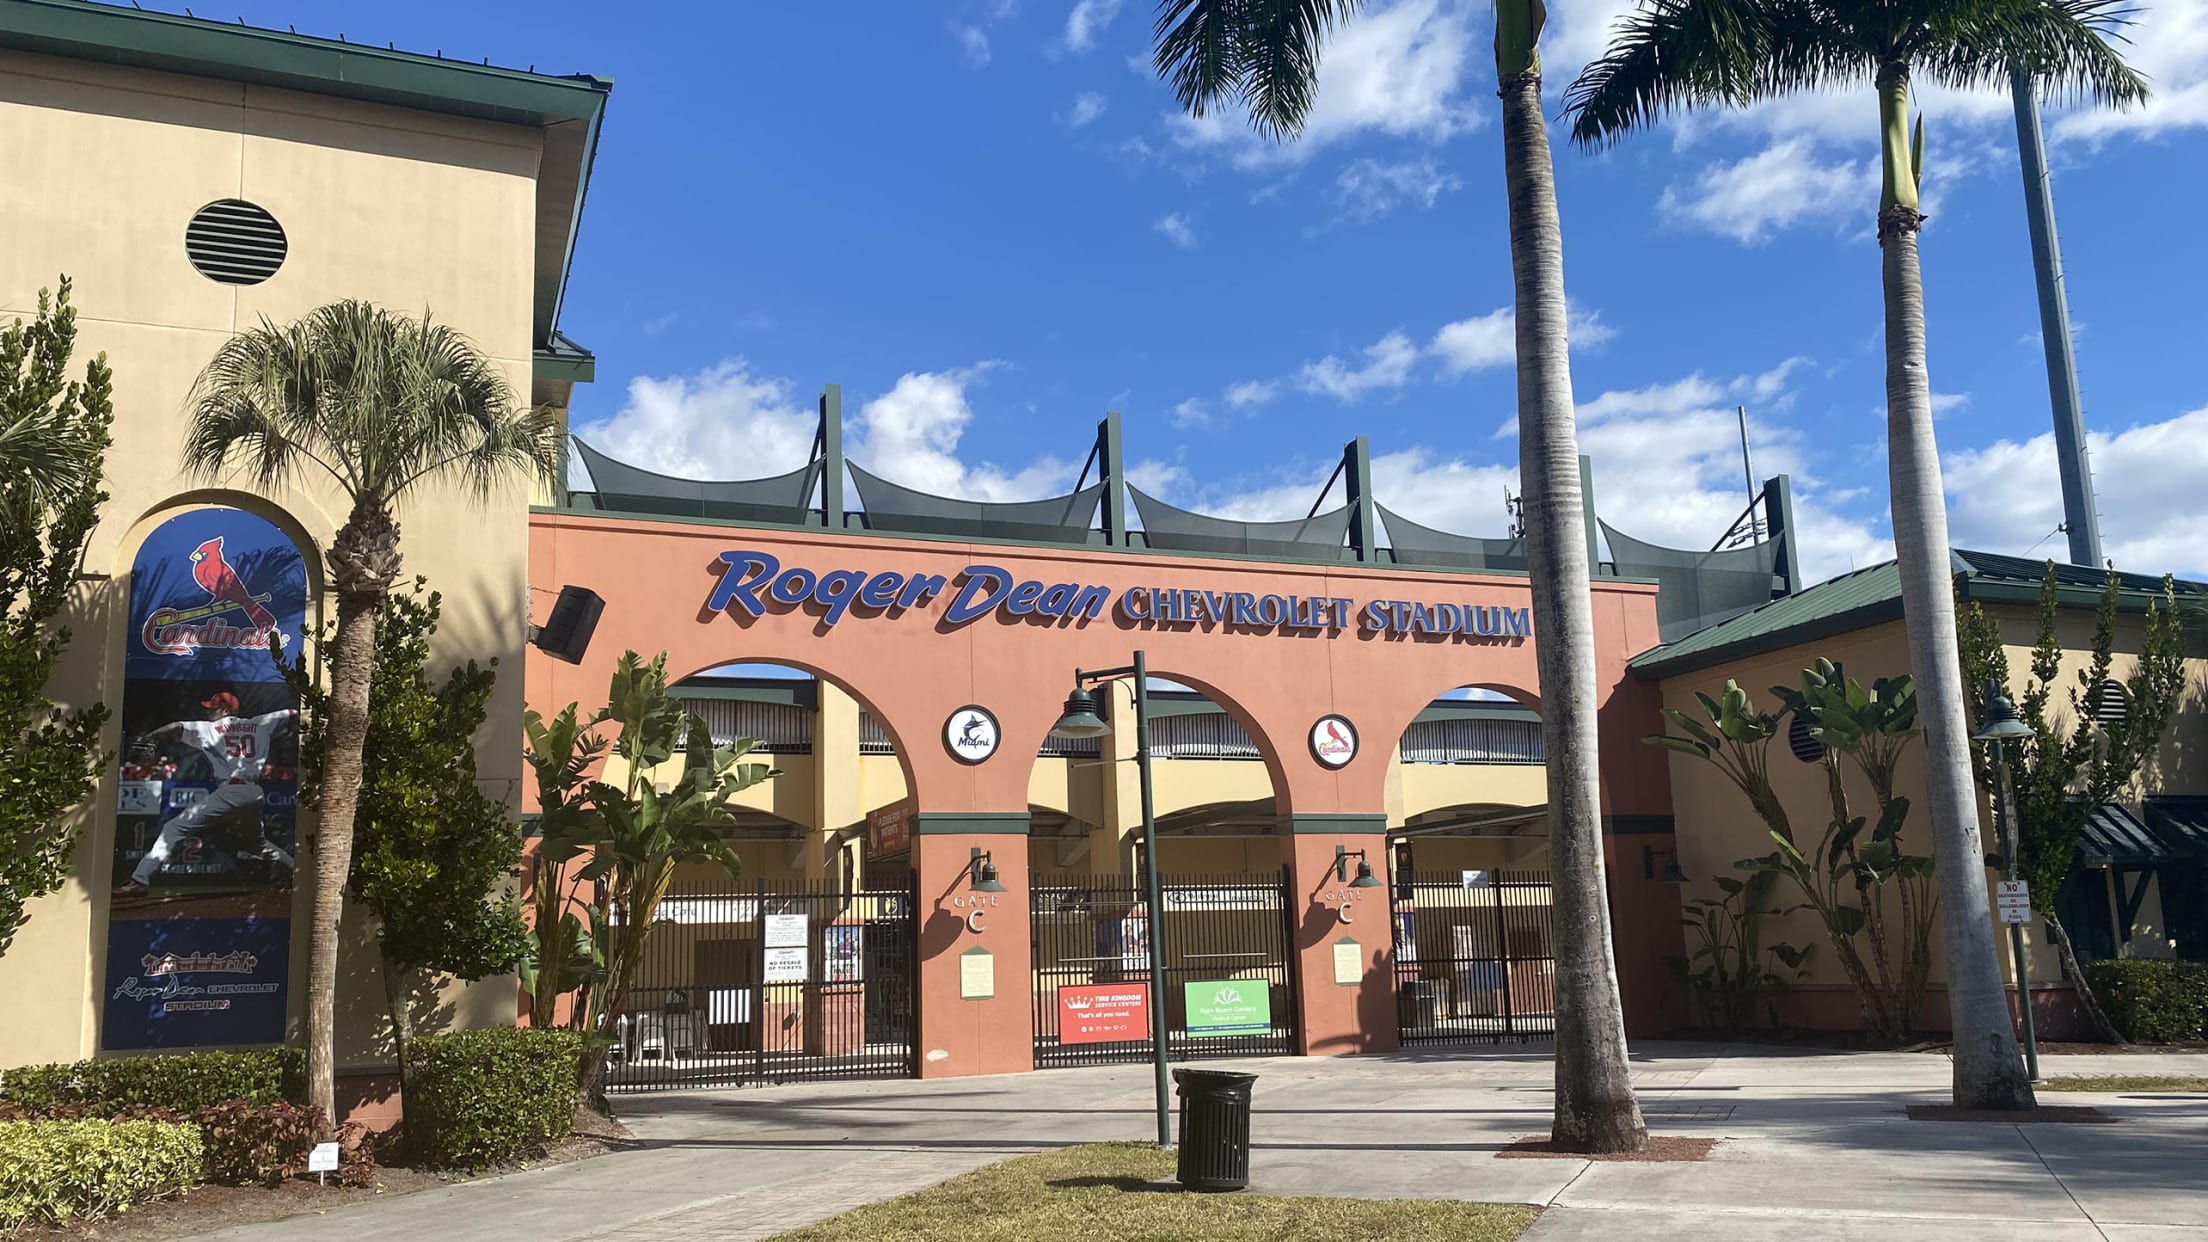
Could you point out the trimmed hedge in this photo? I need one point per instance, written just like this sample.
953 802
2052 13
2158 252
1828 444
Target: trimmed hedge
53 1172
2153 1001
183 1082
478 1098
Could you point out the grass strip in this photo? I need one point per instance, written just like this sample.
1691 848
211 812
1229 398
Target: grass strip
2129 1082
1123 1192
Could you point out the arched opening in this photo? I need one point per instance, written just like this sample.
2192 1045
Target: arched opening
1213 791
800 964
1225 923
1469 853
1469 786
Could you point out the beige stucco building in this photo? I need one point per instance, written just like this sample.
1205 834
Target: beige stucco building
2137 887
409 181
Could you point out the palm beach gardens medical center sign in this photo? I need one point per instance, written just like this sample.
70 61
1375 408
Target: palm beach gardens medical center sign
755 583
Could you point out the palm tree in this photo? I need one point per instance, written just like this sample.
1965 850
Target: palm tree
1686 53
379 403
1264 54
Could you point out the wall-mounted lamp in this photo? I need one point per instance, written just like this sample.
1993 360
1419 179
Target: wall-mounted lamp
981 873
1365 878
1669 873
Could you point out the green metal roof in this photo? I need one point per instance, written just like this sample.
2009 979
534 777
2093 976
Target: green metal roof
2114 837
171 43
2182 822
562 360
1866 597
569 108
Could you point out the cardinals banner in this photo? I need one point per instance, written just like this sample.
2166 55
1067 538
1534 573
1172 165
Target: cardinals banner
207 800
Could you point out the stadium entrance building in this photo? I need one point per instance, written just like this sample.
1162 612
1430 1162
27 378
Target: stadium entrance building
1318 748
1347 763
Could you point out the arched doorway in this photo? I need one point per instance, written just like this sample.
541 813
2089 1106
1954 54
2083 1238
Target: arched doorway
1470 892
800 965
1225 916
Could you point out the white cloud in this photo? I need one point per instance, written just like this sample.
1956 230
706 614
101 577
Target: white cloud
1667 467
1156 477
1395 69
1251 392
1748 199
973 45
1368 189
723 422
1387 364
1191 413
1487 341
1175 227
1087 20
2007 496
1478 343
1087 106
726 422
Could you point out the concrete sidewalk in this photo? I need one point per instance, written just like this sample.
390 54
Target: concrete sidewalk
1816 1146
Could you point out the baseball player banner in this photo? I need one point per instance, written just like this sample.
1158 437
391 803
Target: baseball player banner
208 791
183 983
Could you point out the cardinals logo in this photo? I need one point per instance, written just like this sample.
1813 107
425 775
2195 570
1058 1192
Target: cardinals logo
1333 741
232 617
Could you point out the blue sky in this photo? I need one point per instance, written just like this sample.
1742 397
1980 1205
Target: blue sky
986 221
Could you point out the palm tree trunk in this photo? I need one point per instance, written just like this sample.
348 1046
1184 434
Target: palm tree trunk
1989 1067
1595 1107
351 666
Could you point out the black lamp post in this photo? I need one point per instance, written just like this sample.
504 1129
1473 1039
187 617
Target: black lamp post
2001 724
1078 721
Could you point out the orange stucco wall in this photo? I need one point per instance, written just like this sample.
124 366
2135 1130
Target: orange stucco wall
912 670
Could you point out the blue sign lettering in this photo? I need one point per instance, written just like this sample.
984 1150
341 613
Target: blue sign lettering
753 582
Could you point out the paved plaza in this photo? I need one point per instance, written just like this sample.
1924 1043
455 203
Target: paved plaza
1815 1145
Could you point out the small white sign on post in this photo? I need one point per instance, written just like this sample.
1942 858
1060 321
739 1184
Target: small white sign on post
2014 900
323 1159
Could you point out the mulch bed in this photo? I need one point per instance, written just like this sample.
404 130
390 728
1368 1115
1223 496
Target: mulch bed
1661 1147
2075 1114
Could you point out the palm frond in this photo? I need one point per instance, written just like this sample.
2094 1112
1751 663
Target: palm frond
1262 54
376 400
1198 51
1685 54
2066 45
1281 60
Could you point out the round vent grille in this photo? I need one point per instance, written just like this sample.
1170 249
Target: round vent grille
234 242
1805 745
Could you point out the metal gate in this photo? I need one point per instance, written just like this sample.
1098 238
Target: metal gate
1475 956
754 987
1226 948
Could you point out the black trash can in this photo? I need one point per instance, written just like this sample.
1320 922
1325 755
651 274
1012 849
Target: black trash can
1215 1129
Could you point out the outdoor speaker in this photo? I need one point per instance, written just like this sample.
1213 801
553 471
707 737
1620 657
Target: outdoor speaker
565 635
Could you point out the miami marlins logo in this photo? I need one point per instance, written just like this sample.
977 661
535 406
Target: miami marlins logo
180 631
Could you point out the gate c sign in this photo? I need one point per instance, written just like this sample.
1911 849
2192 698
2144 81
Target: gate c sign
1102 1013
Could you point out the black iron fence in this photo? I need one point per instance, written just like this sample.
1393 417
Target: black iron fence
742 987
1229 982
1475 957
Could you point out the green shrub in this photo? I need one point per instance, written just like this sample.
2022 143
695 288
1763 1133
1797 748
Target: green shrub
2153 1001
52 1172
477 1098
184 1082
